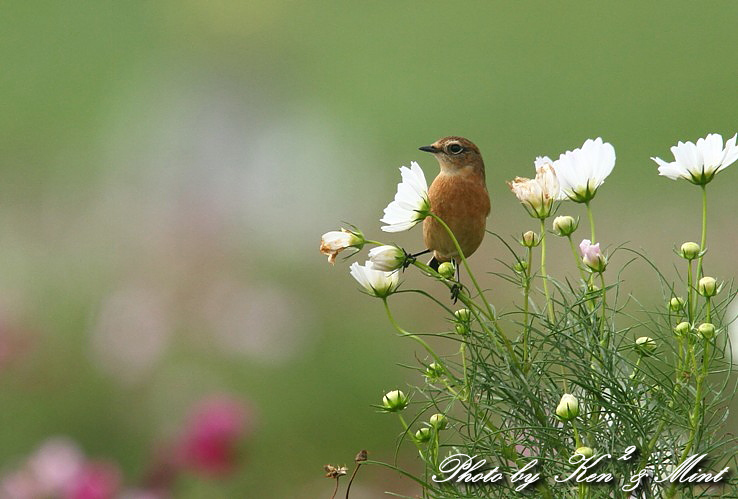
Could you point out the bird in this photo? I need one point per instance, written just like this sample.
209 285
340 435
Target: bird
459 197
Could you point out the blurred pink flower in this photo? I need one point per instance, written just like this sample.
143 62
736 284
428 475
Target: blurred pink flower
96 480
213 433
56 464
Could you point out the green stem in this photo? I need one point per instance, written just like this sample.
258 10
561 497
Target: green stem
464 262
577 259
690 294
703 240
409 334
604 338
526 294
591 222
544 276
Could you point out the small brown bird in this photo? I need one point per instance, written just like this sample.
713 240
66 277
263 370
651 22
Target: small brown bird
459 197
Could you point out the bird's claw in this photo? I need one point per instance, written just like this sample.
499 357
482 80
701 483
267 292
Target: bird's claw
407 260
455 291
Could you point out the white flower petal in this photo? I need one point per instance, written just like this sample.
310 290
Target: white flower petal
410 203
699 162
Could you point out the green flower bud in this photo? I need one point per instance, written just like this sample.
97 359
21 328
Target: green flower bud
446 269
682 329
463 315
690 251
438 421
423 434
434 371
568 407
520 267
565 225
530 239
394 401
707 287
585 451
676 304
463 318
645 345
706 330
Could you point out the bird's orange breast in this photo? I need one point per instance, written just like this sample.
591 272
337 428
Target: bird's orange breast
462 201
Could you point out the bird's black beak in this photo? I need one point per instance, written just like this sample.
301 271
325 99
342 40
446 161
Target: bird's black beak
430 149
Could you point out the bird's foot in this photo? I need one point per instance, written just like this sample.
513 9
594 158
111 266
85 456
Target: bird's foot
455 291
407 259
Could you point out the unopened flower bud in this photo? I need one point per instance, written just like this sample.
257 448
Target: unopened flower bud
707 287
530 239
565 225
463 315
434 371
386 258
645 345
592 256
423 434
690 250
585 451
394 401
706 330
438 421
676 304
682 329
568 407
446 269
520 266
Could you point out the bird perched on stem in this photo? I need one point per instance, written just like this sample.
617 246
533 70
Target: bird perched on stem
459 197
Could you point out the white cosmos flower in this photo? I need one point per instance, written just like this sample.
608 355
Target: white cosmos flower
582 171
411 201
386 258
333 242
538 194
376 282
699 162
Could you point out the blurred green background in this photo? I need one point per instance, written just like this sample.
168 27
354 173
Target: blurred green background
167 169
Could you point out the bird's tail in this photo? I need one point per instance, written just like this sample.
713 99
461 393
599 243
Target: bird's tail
433 263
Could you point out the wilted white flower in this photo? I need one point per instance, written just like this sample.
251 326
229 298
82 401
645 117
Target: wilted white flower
386 258
333 242
411 201
699 162
582 171
538 194
592 256
376 282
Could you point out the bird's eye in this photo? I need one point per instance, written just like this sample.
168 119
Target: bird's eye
455 148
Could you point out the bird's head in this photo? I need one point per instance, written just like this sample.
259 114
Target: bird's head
455 154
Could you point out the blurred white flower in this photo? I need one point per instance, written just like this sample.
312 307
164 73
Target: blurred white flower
538 194
333 242
386 258
376 282
411 201
542 160
699 162
582 171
